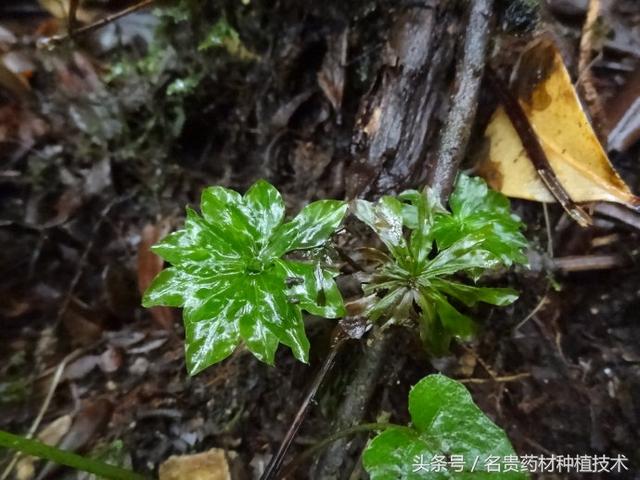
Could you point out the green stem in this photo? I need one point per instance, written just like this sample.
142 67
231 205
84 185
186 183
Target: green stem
42 450
322 444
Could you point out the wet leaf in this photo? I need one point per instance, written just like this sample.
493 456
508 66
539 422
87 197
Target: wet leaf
445 425
432 250
476 209
229 275
546 94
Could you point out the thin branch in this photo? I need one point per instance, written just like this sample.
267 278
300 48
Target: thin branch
56 39
535 151
321 445
339 339
502 379
454 140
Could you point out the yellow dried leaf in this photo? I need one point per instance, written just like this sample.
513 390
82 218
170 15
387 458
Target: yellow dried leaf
545 92
60 10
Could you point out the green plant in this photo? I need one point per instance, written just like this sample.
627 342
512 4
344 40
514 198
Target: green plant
230 275
42 450
233 272
449 437
433 252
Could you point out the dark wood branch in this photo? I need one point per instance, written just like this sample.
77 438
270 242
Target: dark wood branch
338 340
455 138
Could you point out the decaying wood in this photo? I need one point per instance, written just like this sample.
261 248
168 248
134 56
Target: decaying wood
398 118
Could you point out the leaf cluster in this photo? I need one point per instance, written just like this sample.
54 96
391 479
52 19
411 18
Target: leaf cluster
230 274
433 254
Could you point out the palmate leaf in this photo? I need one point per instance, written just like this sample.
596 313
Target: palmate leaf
229 275
434 250
446 425
476 209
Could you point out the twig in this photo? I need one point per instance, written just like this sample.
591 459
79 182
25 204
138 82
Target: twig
454 140
585 263
619 213
503 379
535 151
585 76
339 339
56 39
535 310
547 224
321 445
356 398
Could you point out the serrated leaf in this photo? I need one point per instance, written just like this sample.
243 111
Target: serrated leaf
264 205
314 288
311 228
478 210
478 235
470 295
228 275
445 423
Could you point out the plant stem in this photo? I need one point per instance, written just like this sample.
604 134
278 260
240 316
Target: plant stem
47 452
321 445
339 339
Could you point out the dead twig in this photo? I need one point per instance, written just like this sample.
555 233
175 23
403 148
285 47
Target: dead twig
454 140
586 263
57 39
501 379
339 339
536 309
620 213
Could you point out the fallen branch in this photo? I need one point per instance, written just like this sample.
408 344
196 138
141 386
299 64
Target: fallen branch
72 33
534 150
454 140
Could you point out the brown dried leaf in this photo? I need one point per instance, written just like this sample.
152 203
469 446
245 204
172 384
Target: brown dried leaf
331 75
149 265
551 104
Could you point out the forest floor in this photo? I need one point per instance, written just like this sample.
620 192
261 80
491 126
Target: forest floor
115 134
